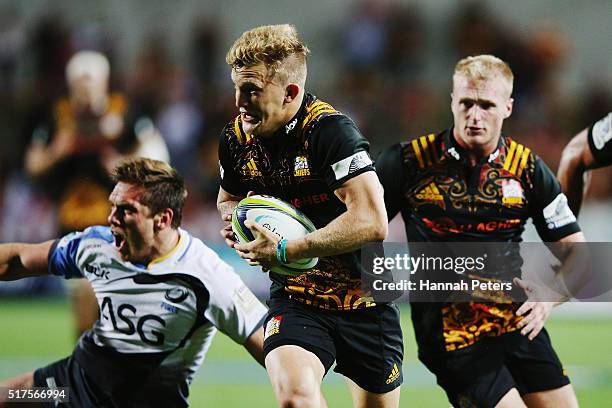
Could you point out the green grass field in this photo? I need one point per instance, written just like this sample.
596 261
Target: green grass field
36 332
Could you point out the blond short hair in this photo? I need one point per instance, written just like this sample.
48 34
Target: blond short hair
91 63
277 46
164 187
484 67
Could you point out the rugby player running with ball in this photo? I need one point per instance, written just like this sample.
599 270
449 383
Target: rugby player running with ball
289 144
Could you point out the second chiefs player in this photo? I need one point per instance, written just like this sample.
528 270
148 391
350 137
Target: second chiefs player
447 186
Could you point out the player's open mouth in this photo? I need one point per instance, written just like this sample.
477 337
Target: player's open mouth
249 117
119 240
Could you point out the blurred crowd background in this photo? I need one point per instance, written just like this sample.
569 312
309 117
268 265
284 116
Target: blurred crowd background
386 63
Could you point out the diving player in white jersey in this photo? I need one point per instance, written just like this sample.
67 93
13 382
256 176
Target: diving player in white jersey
162 295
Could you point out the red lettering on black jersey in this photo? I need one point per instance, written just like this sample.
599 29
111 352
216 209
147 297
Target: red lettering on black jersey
313 199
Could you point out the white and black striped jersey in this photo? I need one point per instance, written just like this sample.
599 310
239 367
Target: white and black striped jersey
156 321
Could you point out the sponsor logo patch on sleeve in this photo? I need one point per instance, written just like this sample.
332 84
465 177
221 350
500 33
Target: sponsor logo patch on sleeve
351 164
558 214
602 132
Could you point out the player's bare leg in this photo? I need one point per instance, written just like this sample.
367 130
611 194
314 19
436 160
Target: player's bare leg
296 376
512 399
563 397
367 399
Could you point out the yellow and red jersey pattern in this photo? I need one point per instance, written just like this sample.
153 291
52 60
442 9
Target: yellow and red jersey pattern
467 322
444 196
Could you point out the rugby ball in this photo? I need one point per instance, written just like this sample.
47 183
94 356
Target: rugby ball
280 218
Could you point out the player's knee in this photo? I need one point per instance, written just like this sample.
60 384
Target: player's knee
300 394
299 401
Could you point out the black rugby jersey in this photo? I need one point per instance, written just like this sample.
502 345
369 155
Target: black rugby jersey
303 163
600 140
444 198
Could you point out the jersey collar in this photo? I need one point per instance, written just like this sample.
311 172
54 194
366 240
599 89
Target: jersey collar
292 127
175 253
455 152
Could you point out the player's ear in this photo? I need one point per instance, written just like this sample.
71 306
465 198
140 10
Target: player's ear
291 92
163 219
509 106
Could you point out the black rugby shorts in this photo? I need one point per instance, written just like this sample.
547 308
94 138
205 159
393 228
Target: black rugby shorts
366 344
481 374
66 373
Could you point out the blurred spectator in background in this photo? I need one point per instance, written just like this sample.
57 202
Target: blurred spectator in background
12 42
405 43
50 42
181 123
86 134
208 87
71 154
475 30
383 49
204 51
27 84
149 79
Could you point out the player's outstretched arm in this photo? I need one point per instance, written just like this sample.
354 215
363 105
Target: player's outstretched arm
22 260
365 220
573 175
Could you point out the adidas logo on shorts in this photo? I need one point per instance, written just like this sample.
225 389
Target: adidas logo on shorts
395 374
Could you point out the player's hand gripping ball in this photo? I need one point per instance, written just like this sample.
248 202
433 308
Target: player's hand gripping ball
280 218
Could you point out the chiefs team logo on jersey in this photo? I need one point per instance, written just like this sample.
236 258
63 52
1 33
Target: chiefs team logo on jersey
300 167
512 192
273 326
